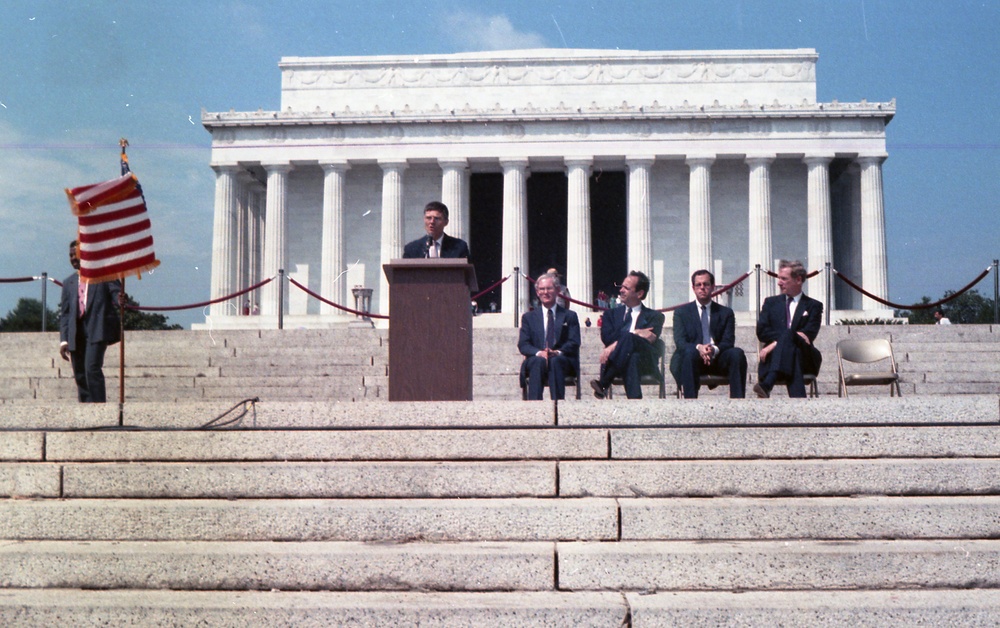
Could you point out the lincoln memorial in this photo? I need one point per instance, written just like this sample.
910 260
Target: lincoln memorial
591 161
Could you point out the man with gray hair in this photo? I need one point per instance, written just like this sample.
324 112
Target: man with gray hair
550 342
788 325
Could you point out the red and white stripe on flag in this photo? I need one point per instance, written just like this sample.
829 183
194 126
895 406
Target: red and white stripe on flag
115 239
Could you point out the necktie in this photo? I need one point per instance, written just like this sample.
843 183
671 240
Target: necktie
706 335
433 250
81 293
788 311
628 320
550 331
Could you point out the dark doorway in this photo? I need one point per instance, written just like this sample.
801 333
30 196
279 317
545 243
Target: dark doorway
608 232
547 203
485 229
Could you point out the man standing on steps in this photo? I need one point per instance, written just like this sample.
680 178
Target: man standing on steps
788 326
436 243
88 323
550 342
631 337
705 340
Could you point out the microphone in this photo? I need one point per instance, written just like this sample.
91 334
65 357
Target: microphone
428 243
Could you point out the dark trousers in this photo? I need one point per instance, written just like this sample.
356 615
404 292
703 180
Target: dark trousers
535 370
731 363
88 367
790 358
632 357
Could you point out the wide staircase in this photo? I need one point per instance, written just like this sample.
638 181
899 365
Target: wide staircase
324 504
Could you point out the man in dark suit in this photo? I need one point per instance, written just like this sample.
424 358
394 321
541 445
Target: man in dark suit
631 337
788 325
705 341
550 342
85 336
436 243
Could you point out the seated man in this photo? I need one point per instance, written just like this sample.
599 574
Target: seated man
550 342
705 340
788 325
631 337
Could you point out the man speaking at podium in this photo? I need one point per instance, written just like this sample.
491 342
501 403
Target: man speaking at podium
436 243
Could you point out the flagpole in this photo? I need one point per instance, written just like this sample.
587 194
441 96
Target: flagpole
121 356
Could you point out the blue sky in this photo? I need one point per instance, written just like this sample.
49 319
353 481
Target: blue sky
77 75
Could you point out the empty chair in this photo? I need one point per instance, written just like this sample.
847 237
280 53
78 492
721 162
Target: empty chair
867 352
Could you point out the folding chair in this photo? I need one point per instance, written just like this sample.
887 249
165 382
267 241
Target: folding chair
867 352
808 378
571 380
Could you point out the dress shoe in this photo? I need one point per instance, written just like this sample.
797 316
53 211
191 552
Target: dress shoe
761 392
599 391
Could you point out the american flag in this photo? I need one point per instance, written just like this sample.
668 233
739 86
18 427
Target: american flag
115 239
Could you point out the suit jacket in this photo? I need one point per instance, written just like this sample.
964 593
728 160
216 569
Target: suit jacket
532 336
687 330
100 320
450 247
613 326
808 318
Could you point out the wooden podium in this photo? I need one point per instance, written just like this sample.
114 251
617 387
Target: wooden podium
430 329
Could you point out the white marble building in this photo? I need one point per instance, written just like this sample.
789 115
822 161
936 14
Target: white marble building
592 161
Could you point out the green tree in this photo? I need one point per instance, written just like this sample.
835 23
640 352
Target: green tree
968 308
27 316
136 320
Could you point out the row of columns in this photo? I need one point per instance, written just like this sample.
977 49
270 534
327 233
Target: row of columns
237 230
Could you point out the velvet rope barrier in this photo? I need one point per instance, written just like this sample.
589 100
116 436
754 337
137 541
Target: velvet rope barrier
771 273
726 288
172 308
565 297
493 287
917 306
331 303
17 279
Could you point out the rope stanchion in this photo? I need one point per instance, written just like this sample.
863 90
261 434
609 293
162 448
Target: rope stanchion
172 308
916 306
491 288
331 303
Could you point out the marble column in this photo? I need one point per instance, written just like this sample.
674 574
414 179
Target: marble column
225 239
820 241
760 226
514 245
454 194
255 238
392 223
874 269
579 270
700 214
275 244
333 281
640 244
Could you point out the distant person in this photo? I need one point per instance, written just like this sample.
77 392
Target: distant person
550 342
564 295
88 323
940 318
631 337
788 326
705 341
436 243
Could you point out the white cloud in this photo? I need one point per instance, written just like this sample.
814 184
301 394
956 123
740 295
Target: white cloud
473 31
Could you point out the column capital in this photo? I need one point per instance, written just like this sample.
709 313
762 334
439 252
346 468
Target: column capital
700 160
866 159
760 159
818 159
453 162
334 165
581 161
229 166
392 164
509 163
637 161
276 167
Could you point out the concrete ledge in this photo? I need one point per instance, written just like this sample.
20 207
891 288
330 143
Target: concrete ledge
798 565
725 518
801 442
58 415
22 446
287 566
396 520
848 609
29 480
230 609
781 478
309 479
223 445
831 410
